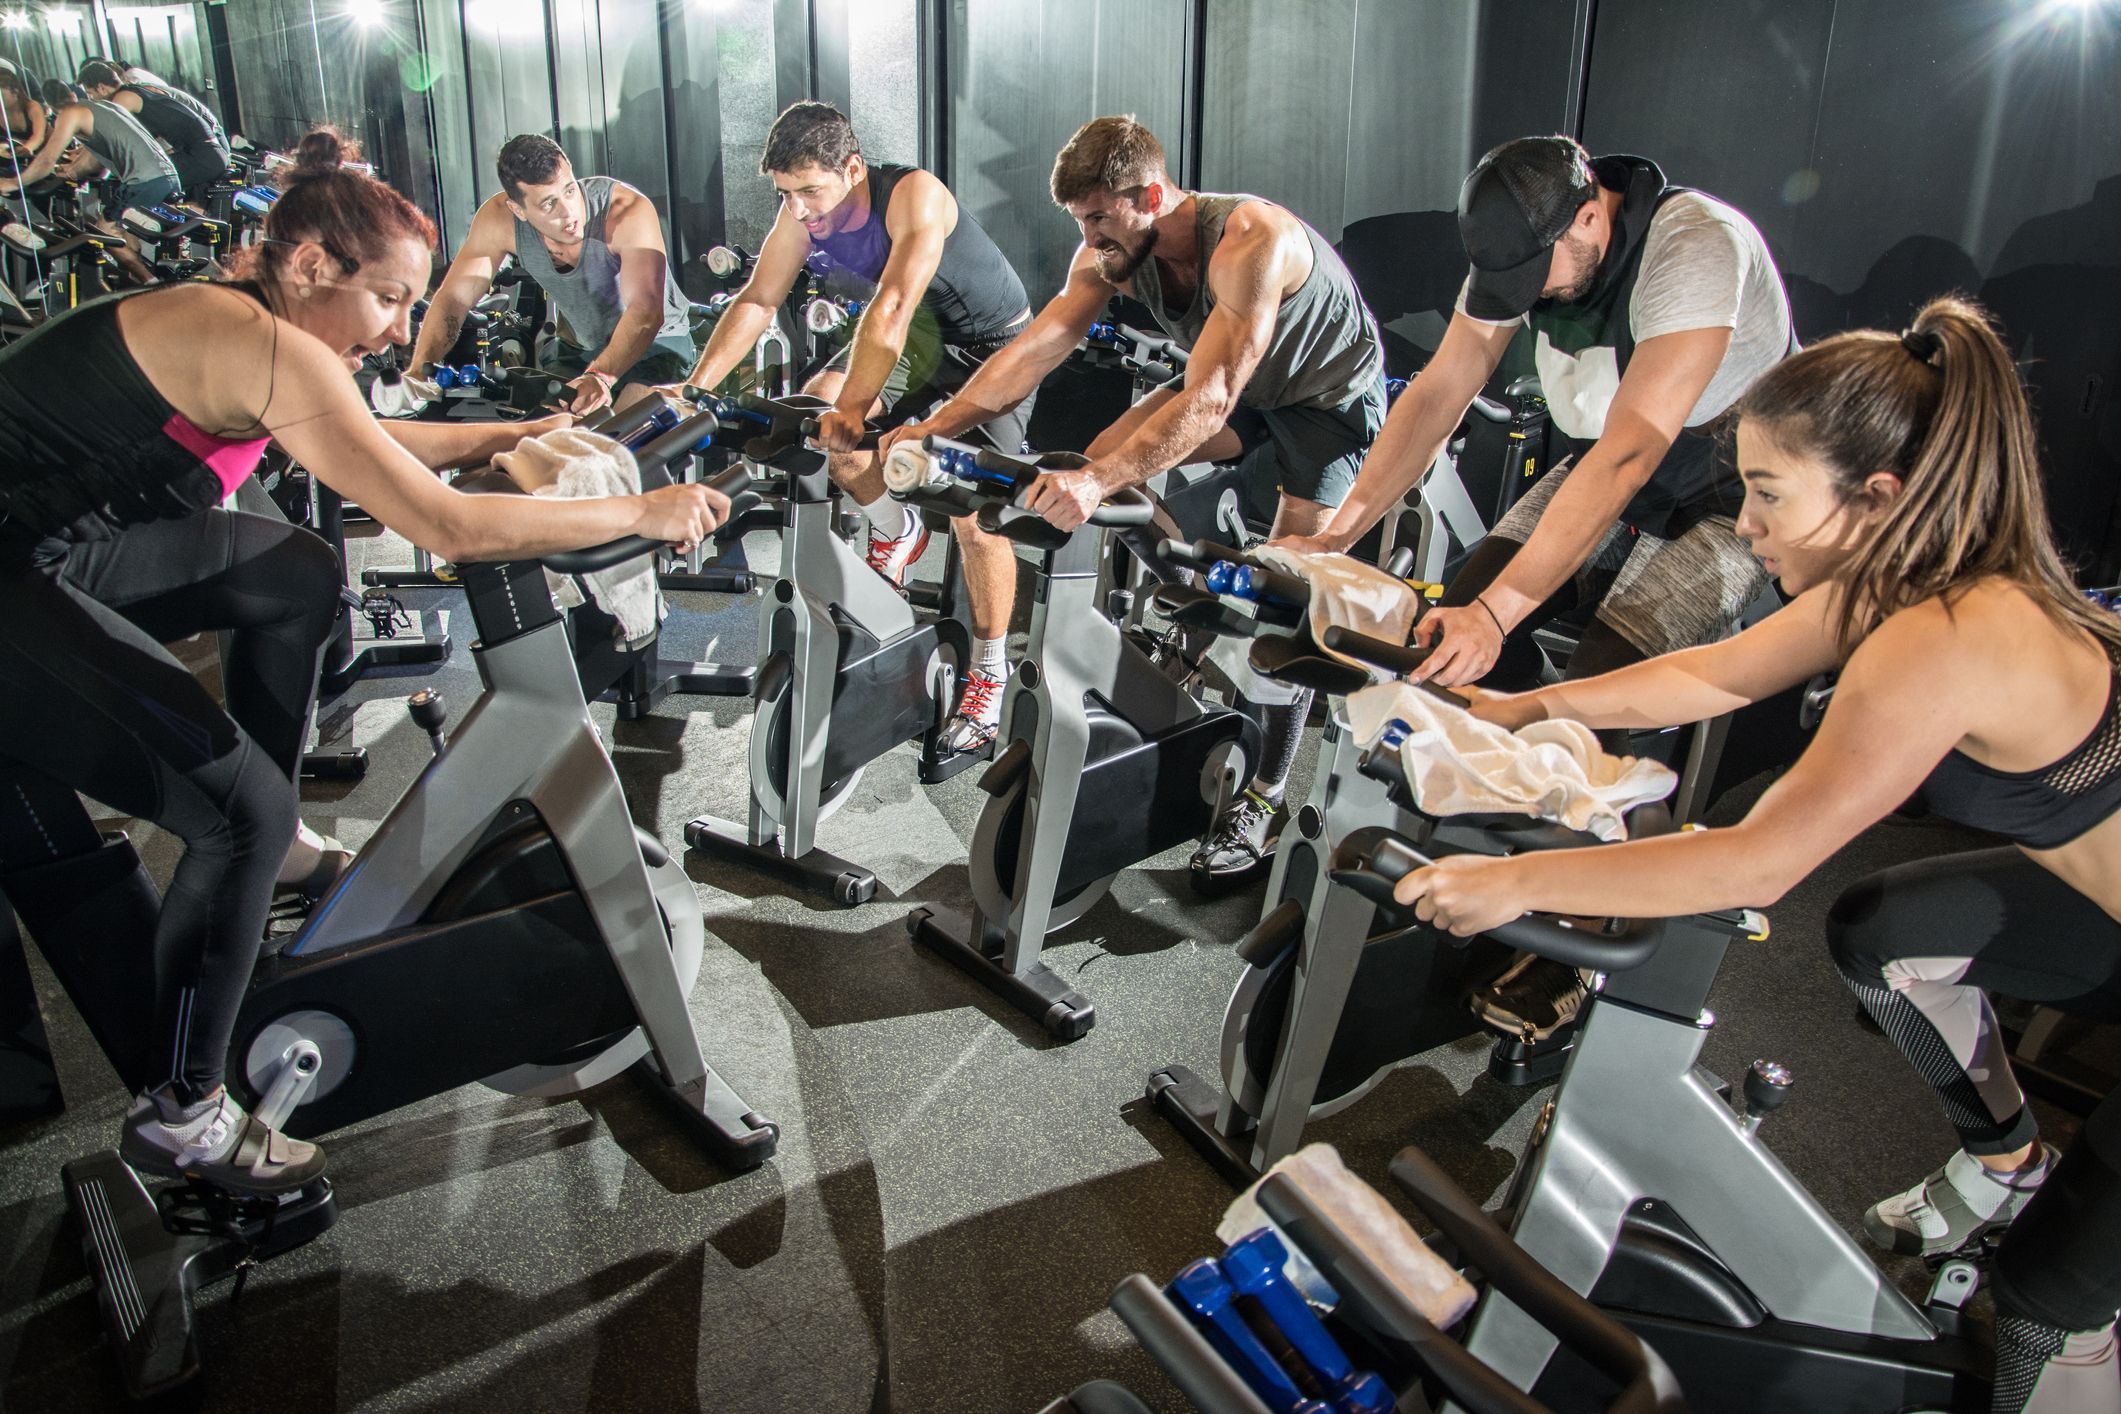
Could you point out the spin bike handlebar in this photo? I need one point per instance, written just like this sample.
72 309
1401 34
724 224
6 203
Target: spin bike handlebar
870 433
1000 480
731 483
1372 869
1154 356
1398 659
1646 1383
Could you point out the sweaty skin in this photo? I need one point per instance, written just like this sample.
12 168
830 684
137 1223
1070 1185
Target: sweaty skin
556 211
1262 259
817 203
1664 380
1992 676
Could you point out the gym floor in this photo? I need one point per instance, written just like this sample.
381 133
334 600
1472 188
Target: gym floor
954 1197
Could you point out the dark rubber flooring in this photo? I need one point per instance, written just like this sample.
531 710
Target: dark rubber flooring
955 1196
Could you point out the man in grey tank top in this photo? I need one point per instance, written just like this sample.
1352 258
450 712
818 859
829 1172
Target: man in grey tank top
1286 376
112 141
595 245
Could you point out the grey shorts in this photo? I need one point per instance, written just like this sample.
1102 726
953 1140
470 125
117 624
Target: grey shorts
1308 453
927 375
1666 594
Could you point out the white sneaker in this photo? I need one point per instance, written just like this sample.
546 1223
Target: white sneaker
1954 1207
978 718
893 558
222 1146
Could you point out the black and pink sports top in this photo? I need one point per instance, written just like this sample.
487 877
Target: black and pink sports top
88 446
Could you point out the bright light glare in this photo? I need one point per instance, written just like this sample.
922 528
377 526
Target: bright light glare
365 13
14 19
60 23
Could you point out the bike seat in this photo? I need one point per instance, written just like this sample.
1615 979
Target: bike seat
1297 660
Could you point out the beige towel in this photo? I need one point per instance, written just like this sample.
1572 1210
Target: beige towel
571 463
1347 592
404 397
1460 765
1373 1226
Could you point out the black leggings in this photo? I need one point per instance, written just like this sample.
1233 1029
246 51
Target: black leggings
1919 945
90 701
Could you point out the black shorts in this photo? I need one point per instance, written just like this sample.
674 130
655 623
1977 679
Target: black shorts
927 375
1308 453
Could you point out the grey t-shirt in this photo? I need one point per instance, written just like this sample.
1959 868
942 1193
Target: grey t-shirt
1704 266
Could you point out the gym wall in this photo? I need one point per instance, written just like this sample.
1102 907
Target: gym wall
1889 151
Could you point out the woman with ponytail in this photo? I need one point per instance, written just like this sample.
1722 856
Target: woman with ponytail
1893 486
124 426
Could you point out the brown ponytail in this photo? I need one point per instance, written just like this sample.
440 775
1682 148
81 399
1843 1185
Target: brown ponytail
352 215
1941 406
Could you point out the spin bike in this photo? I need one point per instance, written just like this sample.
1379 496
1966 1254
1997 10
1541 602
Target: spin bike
1334 995
846 672
1238 1336
1108 758
506 922
1644 1189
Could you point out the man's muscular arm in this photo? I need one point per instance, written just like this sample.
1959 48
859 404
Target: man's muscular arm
1263 252
922 215
779 264
1415 431
1012 374
72 120
635 231
1664 380
464 284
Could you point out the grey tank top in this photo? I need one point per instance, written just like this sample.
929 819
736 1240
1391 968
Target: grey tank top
125 146
588 295
1325 352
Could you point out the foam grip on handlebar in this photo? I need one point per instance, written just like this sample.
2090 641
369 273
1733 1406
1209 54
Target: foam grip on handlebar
731 483
1259 582
1128 508
1397 658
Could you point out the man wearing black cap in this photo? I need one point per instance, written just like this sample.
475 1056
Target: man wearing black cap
1652 308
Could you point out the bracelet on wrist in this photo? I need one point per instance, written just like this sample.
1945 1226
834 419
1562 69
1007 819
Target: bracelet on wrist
1492 617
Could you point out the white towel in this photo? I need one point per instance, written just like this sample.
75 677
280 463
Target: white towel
1347 592
1460 765
1371 1225
571 463
404 397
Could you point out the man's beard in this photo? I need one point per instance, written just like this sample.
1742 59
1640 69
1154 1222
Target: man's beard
1583 259
1129 263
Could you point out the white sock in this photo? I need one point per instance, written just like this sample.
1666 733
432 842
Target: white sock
888 519
991 657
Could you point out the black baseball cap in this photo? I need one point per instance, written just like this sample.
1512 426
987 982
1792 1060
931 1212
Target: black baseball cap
1519 201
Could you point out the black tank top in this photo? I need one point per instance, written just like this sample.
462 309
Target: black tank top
976 297
2041 809
87 445
178 119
